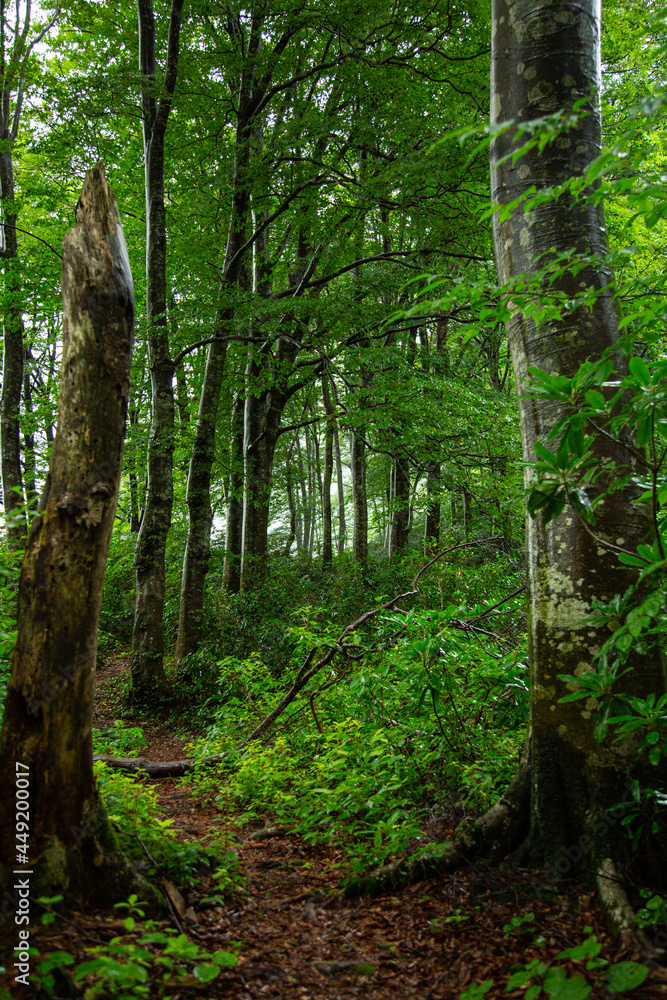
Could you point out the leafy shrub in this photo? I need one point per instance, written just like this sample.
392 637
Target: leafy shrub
143 829
119 739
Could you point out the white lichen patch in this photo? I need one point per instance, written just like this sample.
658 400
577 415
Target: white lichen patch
530 73
496 107
520 67
560 607
569 80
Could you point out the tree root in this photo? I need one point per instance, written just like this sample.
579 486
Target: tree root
619 913
498 832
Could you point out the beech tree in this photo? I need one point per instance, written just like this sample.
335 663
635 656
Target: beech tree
546 59
147 665
16 44
47 724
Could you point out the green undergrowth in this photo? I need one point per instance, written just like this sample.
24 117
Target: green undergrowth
149 837
419 723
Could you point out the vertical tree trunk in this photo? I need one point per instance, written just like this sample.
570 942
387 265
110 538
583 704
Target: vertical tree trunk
47 725
30 462
327 475
432 525
231 573
342 528
147 665
12 346
400 506
545 56
359 500
260 435
198 498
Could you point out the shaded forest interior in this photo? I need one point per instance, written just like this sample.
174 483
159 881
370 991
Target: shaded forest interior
370 696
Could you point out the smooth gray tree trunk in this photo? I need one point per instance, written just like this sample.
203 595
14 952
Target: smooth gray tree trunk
545 56
149 682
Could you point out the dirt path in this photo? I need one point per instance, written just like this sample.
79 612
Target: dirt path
297 936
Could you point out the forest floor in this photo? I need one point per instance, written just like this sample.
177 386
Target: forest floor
298 936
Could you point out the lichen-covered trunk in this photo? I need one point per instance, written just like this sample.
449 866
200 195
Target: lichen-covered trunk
545 56
47 725
198 498
12 348
149 682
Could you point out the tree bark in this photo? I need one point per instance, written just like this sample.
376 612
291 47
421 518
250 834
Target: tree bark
231 573
342 528
400 506
327 475
12 345
545 55
149 682
198 498
47 725
359 499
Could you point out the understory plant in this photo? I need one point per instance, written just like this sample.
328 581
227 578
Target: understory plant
423 716
146 834
146 961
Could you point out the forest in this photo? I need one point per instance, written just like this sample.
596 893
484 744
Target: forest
333 455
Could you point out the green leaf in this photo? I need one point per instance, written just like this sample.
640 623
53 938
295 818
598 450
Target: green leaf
626 976
595 400
639 369
575 988
224 958
205 973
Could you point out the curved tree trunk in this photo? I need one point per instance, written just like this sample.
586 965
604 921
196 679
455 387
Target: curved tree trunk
545 55
47 726
149 682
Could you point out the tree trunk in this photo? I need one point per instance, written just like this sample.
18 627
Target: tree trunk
359 501
342 528
327 476
432 526
30 460
12 348
231 573
149 682
545 55
260 436
400 506
198 498
47 727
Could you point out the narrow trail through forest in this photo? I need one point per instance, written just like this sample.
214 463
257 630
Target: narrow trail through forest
298 936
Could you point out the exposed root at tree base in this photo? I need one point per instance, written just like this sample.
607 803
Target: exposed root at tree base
618 911
493 836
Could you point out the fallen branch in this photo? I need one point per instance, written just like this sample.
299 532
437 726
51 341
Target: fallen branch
177 768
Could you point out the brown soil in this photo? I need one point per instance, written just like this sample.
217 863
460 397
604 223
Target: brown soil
294 931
